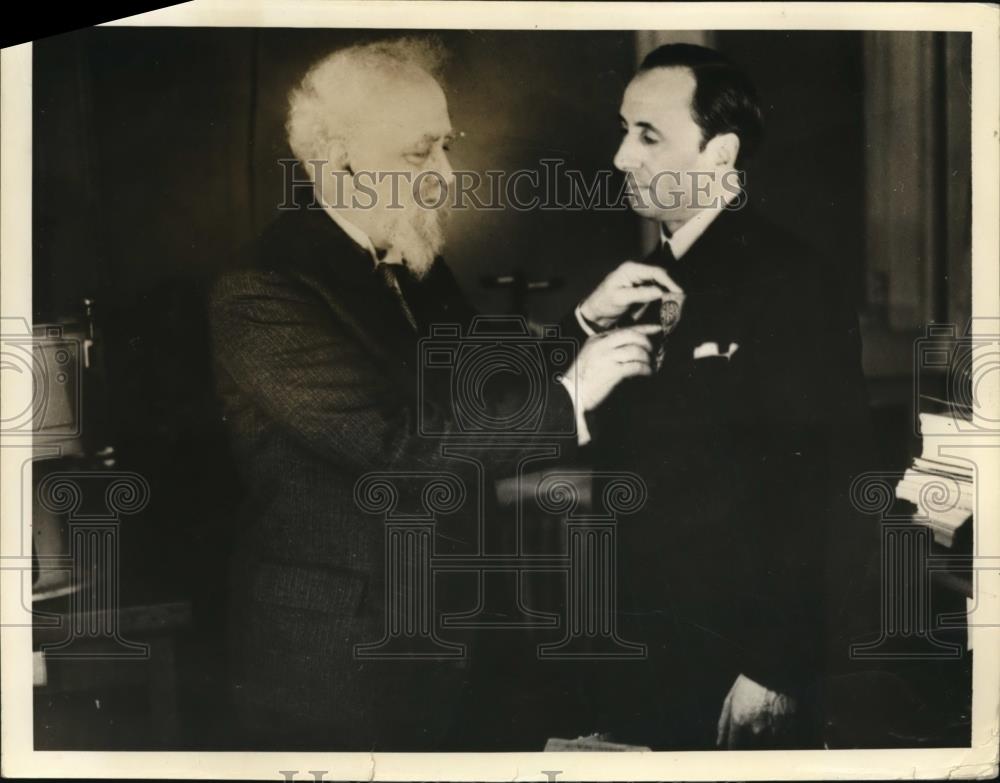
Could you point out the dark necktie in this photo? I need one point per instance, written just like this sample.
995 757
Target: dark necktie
388 273
670 309
664 256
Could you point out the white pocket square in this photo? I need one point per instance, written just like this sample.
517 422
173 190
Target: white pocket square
706 350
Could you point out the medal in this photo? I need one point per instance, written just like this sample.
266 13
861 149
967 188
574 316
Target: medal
670 315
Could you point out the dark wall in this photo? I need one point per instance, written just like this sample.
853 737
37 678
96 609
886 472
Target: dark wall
809 174
148 130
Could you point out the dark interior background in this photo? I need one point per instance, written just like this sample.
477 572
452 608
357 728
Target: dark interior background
156 156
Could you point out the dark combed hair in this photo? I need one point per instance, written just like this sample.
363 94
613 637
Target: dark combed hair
725 100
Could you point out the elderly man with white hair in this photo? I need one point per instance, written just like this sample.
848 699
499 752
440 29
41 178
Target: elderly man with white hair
316 340
377 114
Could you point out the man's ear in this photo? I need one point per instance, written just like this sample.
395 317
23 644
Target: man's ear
722 150
328 163
337 157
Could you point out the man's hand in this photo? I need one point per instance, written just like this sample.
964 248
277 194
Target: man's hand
608 358
629 285
753 716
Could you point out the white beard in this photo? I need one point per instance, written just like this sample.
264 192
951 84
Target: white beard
417 236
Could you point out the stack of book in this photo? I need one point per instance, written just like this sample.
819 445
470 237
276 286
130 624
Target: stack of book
939 485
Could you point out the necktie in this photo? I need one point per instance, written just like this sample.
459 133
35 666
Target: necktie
388 273
664 256
669 311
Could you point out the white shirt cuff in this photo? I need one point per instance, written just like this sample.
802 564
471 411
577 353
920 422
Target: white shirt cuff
582 433
588 330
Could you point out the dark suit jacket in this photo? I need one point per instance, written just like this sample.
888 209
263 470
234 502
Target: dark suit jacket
316 365
747 555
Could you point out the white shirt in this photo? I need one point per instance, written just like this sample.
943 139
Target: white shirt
353 231
685 236
680 242
360 238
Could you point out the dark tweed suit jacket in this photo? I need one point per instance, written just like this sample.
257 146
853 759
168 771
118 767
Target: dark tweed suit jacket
316 365
747 556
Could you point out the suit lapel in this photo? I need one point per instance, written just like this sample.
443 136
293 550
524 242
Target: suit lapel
717 285
333 265
343 273
717 258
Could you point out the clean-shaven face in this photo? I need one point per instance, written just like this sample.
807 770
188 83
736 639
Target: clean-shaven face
661 147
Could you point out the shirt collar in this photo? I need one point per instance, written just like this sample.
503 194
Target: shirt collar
352 230
685 236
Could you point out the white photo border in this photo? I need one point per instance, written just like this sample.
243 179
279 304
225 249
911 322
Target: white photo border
977 761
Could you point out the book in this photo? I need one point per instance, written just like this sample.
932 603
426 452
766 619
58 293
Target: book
938 484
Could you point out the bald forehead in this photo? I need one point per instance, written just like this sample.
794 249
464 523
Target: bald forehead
404 100
403 88
396 111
